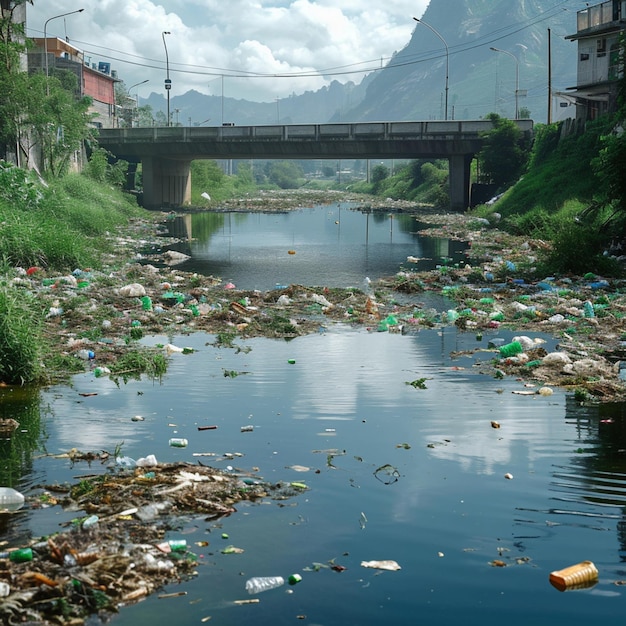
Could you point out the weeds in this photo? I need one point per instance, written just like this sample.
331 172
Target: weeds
21 337
135 363
69 214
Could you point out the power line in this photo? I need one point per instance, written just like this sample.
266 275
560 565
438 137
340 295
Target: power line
372 65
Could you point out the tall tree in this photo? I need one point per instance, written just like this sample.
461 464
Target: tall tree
36 110
505 152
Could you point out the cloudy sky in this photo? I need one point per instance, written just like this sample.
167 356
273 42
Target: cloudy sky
263 49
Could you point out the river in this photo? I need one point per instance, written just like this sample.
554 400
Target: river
393 435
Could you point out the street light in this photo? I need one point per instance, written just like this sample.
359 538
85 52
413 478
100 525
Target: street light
45 40
447 59
168 82
516 77
133 86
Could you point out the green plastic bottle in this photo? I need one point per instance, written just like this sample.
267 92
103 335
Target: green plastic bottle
22 555
511 349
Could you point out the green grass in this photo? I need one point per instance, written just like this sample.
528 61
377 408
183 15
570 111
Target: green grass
59 226
67 225
21 319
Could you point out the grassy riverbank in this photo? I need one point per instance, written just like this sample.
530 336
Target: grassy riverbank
48 231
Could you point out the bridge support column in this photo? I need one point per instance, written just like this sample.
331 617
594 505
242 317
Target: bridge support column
166 183
459 179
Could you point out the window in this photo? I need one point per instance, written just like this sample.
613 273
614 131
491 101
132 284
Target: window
601 47
584 56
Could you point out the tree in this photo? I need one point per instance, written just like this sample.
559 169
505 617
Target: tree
504 154
13 82
285 174
379 173
145 116
36 110
59 121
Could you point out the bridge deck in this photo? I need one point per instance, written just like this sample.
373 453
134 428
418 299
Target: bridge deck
432 139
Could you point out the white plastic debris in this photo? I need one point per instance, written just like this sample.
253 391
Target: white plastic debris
170 348
556 319
556 358
527 342
147 461
391 566
316 297
134 290
172 257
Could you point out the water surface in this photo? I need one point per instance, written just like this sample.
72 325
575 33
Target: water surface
341 404
442 509
332 246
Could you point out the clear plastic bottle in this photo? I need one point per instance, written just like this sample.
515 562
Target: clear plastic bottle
10 499
258 584
91 521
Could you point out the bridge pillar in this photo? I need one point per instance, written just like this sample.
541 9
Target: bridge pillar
459 179
166 183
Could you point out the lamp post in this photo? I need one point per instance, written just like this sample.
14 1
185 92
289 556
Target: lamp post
447 60
45 40
137 103
516 77
168 82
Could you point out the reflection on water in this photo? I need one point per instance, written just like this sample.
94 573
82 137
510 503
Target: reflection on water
340 404
17 447
333 246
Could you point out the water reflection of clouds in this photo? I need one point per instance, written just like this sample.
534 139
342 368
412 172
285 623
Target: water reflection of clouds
341 375
96 422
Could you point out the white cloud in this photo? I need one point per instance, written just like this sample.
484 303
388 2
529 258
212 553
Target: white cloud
306 43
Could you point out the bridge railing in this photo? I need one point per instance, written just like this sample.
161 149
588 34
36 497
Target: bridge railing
453 129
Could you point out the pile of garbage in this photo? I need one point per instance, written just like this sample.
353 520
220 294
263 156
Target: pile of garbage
118 552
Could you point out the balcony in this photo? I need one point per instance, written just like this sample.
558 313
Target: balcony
598 17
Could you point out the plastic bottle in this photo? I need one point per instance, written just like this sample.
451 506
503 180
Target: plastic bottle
259 584
178 545
178 442
582 574
5 590
21 555
10 500
511 349
146 303
125 461
86 355
588 309
92 520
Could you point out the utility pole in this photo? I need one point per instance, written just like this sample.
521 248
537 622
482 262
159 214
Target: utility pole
549 77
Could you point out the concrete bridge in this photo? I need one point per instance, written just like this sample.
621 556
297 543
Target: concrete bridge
166 152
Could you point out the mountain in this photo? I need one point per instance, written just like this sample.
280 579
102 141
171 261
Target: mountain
413 84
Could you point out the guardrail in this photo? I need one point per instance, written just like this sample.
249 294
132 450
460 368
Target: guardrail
307 132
